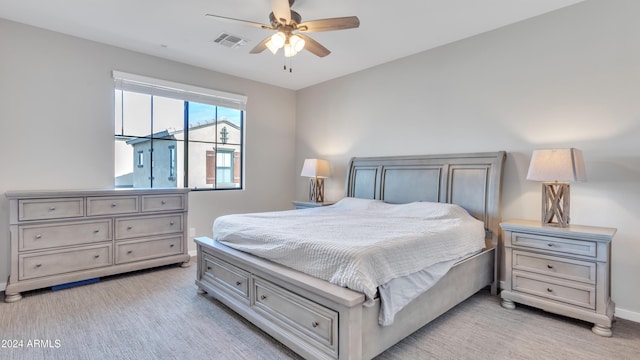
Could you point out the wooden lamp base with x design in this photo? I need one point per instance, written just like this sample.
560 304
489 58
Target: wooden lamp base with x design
555 204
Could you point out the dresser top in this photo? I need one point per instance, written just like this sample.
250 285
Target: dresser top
25 194
572 231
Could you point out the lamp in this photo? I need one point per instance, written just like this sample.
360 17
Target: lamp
556 168
317 170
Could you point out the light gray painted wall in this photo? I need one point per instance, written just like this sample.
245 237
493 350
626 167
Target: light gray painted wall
56 124
570 78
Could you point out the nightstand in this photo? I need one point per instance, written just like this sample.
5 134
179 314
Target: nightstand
563 270
311 204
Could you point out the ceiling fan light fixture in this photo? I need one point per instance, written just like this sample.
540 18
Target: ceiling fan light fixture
278 39
289 50
297 42
271 47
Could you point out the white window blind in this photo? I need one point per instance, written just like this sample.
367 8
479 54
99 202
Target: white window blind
170 89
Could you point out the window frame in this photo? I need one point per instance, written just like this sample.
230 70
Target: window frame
187 94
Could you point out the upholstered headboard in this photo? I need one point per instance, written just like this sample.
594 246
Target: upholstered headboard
473 181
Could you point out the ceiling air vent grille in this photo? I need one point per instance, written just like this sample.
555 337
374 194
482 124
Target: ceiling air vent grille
230 41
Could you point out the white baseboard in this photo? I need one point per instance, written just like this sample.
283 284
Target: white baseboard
628 315
193 253
620 313
3 286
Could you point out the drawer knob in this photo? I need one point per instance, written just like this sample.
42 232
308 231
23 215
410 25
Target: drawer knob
208 267
263 297
38 265
163 202
550 245
315 324
172 245
238 283
52 208
38 236
96 256
113 205
549 290
130 252
549 266
171 223
129 227
96 231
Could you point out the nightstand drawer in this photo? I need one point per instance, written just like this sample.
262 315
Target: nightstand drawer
547 287
555 266
554 244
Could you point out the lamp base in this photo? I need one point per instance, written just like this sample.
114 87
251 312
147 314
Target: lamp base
555 204
316 189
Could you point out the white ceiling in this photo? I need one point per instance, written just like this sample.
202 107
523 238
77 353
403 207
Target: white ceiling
180 31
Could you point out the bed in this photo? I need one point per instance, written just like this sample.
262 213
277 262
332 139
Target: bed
320 320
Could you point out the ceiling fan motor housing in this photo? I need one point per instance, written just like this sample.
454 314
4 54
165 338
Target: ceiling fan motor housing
295 18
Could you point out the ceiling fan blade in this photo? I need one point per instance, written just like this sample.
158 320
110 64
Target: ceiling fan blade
261 46
314 47
244 22
341 23
281 10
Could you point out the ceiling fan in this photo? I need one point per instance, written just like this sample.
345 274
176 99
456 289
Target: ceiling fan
290 30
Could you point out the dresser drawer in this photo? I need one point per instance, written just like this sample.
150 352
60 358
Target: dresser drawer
305 319
162 202
36 265
555 266
130 251
36 237
110 205
42 209
555 244
127 228
547 287
226 275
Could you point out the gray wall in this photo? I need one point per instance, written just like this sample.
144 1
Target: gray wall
57 123
570 78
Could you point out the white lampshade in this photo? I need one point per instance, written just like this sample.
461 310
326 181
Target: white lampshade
297 42
269 44
563 165
278 39
289 51
316 168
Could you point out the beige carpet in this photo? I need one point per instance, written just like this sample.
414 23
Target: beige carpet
157 314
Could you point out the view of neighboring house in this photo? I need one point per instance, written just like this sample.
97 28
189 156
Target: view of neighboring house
214 157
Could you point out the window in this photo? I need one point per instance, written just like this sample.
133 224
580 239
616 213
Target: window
188 136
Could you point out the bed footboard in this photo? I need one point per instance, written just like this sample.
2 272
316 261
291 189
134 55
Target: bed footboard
320 320
313 317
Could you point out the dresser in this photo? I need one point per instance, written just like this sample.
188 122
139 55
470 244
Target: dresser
69 236
563 270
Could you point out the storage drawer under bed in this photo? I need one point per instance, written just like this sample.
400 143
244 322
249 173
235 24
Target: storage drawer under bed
312 322
225 275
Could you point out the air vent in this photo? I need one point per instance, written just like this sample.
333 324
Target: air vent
230 41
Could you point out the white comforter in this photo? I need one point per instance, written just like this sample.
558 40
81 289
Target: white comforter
356 243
